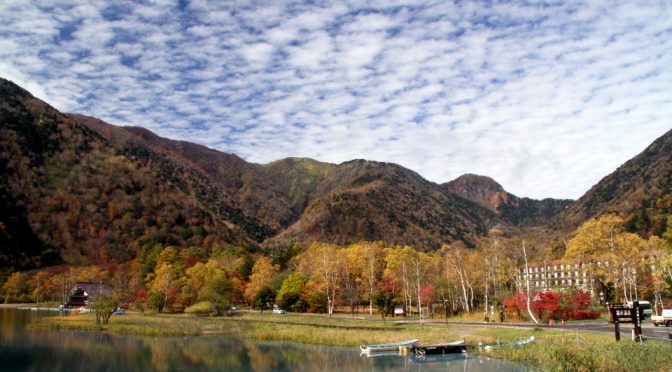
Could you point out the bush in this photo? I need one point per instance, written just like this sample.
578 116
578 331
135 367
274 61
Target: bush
317 302
204 308
583 314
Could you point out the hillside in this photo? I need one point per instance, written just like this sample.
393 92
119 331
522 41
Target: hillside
521 212
241 185
305 200
68 194
76 189
298 179
640 190
380 201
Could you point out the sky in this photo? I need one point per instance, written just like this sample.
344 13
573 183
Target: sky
546 97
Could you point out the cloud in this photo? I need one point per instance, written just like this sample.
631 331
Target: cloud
545 97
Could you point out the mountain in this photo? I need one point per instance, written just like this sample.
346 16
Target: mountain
242 185
521 212
639 190
306 197
78 190
305 200
381 201
298 179
70 194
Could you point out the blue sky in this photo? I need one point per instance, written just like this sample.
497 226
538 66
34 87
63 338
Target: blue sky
545 97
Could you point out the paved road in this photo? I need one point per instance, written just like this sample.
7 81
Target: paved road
648 329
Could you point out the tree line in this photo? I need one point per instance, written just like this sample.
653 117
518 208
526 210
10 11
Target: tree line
326 278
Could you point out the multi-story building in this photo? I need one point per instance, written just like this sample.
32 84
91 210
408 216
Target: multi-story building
560 274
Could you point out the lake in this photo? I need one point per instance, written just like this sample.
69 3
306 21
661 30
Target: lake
24 349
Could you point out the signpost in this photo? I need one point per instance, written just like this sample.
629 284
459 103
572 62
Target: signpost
624 314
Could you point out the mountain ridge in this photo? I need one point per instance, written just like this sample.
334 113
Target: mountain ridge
83 190
640 190
521 212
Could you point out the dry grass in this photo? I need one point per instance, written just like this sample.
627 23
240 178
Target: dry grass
554 350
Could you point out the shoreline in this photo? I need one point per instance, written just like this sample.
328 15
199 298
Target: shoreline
15 305
553 349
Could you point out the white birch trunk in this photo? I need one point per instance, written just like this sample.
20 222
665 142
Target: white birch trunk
527 287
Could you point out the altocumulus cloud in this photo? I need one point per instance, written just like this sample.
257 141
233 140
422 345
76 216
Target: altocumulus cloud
545 97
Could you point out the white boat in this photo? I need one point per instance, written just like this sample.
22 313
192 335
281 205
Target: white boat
393 346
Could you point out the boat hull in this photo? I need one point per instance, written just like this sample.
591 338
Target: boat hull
387 348
449 348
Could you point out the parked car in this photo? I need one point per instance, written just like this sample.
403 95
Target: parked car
399 311
234 308
278 310
663 319
646 305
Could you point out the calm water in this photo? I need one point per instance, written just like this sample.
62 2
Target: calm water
23 349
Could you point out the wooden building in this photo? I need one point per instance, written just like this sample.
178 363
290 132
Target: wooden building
83 293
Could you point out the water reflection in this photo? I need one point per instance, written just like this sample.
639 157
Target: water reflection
61 350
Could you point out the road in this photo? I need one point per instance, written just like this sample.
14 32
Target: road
648 329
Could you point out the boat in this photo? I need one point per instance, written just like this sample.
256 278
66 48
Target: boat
447 348
512 343
393 346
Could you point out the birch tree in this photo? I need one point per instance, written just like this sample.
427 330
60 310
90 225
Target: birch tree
163 281
322 263
526 285
454 256
595 242
398 270
373 269
658 266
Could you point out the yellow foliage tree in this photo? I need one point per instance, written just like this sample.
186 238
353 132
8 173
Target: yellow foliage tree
14 286
615 256
262 273
659 261
162 281
322 263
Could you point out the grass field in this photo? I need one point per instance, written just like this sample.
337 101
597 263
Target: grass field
554 350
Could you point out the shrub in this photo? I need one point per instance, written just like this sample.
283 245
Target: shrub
317 302
583 314
204 308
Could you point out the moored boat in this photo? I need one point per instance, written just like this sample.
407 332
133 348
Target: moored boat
393 346
447 348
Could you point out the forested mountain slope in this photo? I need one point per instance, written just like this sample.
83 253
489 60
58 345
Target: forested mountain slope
67 188
383 201
639 190
79 190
